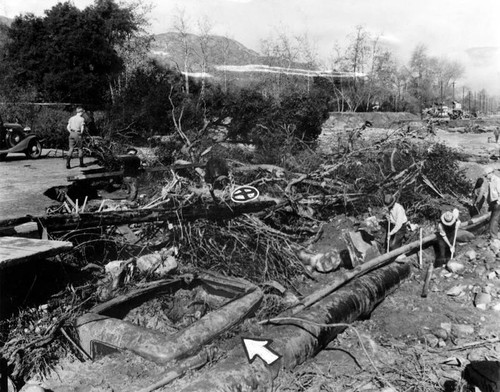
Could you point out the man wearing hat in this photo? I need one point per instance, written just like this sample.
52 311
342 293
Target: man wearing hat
447 228
397 222
131 171
493 201
75 127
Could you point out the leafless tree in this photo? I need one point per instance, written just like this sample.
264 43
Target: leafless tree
204 32
181 26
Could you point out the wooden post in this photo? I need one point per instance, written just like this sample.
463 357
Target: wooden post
420 257
388 234
427 282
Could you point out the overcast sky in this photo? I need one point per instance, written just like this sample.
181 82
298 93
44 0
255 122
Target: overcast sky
465 30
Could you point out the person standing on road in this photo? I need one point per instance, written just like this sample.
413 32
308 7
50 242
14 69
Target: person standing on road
75 127
397 222
493 201
496 132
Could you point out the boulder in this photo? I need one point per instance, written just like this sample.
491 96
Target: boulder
462 330
471 255
481 300
455 266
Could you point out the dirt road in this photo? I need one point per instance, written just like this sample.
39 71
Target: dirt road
23 181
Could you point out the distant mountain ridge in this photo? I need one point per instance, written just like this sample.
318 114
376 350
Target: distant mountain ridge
218 52
169 48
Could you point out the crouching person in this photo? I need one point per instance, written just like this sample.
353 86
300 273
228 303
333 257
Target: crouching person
396 222
447 231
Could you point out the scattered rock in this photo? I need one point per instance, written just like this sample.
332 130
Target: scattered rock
492 275
489 256
321 262
475 356
161 262
495 245
388 389
430 340
480 270
455 291
488 288
482 300
440 333
32 388
453 361
290 298
461 330
455 266
496 307
446 327
476 289
471 255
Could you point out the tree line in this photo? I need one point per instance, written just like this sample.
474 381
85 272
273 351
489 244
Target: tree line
98 57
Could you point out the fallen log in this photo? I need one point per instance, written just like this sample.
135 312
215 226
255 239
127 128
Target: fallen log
62 222
119 173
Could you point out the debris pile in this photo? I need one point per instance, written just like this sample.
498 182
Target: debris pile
182 222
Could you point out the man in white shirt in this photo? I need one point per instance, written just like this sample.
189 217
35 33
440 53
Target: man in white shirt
397 220
493 201
76 127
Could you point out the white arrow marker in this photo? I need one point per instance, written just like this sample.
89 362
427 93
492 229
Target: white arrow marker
257 348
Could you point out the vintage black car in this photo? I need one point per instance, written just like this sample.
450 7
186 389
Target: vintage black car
16 138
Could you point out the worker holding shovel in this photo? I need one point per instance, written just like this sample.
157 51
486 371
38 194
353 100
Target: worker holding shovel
396 223
447 235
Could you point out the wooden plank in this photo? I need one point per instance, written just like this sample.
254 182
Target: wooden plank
16 250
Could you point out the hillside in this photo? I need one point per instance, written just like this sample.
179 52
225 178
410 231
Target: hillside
169 49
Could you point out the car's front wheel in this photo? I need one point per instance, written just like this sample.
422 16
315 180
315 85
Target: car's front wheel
34 149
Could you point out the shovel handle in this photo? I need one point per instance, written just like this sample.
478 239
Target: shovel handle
428 276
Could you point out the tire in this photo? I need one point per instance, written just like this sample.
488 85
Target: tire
34 150
14 138
2 157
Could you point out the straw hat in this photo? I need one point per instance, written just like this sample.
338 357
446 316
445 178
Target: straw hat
389 200
448 218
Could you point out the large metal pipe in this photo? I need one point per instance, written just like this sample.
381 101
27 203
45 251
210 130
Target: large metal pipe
296 341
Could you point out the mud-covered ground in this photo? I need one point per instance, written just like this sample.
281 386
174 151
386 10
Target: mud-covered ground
409 343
